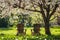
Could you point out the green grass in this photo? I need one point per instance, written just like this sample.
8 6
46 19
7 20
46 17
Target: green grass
10 34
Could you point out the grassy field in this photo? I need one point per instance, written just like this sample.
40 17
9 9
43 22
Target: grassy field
10 34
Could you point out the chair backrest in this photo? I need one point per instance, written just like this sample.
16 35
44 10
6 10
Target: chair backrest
36 28
58 20
20 28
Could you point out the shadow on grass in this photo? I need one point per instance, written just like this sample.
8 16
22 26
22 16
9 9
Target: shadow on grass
28 37
44 37
6 29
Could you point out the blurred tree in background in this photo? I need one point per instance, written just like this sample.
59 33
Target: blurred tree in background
46 8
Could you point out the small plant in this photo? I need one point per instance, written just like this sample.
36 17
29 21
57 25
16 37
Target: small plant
4 22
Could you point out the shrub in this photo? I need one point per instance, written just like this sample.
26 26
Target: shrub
4 22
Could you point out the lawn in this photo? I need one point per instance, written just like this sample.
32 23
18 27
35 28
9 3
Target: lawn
10 34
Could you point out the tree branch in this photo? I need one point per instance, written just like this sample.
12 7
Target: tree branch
48 11
54 10
42 11
15 6
52 18
30 9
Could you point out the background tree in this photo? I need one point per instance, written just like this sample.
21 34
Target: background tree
46 8
5 12
4 16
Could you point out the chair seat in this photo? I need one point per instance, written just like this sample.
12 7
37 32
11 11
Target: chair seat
21 32
34 33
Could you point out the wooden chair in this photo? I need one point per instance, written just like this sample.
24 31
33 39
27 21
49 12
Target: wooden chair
20 29
36 29
58 20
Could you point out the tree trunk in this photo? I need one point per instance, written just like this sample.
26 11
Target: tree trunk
47 27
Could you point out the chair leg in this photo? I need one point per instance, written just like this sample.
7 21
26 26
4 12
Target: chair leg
32 32
17 34
25 31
